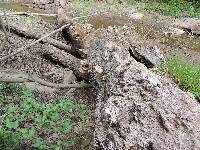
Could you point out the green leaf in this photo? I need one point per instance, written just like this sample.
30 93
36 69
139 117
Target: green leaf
12 109
12 124
57 147
37 143
31 132
67 126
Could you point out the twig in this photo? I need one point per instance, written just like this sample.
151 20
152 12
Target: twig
28 14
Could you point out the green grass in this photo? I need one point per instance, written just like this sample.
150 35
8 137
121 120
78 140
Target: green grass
170 7
90 7
25 120
178 8
186 74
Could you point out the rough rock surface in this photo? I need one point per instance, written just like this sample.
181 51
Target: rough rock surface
44 4
138 109
189 24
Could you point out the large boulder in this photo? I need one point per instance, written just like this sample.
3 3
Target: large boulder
136 108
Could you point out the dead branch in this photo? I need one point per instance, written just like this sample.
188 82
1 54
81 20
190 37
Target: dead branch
15 29
33 43
28 14
67 60
40 39
10 76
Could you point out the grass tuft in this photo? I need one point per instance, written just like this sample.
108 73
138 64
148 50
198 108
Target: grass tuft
186 74
178 8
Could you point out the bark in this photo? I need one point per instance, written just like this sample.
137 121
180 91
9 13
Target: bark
77 34
69 61
137 108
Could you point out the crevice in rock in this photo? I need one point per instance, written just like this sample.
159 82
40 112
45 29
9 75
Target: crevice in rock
116 127
139 58
150 146
161 122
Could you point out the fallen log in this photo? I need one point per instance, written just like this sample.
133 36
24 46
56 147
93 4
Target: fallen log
137 108
11 76
28 34
67 60
33 43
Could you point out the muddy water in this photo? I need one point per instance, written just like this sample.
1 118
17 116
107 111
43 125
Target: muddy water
19 7
105 21
184 42
16 6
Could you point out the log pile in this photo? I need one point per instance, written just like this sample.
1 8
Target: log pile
56 51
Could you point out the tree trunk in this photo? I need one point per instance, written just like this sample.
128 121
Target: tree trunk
67 60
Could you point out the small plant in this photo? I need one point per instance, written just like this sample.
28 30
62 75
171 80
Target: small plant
40 125
186 74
